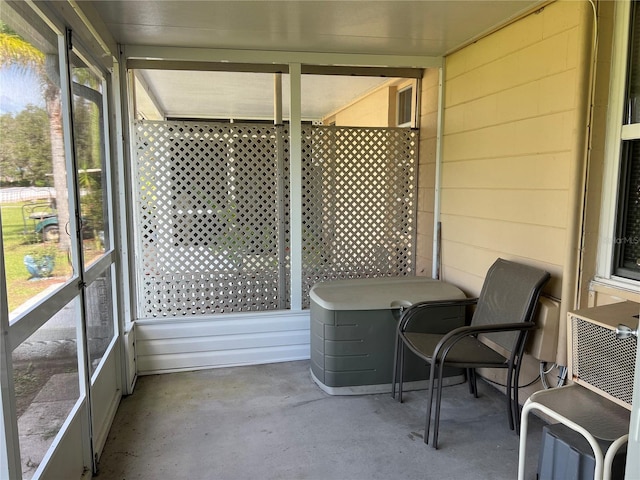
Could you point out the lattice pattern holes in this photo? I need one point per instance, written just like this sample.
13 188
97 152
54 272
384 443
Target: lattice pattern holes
358 203
209 218
213 212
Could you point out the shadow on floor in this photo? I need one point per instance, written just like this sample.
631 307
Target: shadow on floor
273 422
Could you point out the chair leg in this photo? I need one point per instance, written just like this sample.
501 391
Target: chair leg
470 380
516 402
510 396
427 425
474 378
401 353
436 421
394 375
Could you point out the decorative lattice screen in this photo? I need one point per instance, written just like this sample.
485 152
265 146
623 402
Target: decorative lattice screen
209 218
359 203
213 212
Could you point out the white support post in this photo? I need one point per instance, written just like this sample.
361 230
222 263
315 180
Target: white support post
277 99
295 151
279 131
123 83
437 238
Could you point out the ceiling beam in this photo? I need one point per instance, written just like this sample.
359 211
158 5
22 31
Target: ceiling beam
150 92
145 52
390 72
138 64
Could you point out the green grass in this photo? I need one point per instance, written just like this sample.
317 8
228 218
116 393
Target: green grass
17 244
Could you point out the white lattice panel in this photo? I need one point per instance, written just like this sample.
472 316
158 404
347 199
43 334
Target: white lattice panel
208 217
213 212
359 203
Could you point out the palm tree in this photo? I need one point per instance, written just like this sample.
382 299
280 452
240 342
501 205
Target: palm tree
15 51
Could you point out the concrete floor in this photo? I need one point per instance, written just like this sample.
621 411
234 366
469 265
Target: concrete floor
273 422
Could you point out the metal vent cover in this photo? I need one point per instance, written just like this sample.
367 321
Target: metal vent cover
602 361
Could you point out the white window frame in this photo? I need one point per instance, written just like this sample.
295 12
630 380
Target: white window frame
616 133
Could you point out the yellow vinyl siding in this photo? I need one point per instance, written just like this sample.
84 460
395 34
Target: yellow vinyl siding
509 145
510 206
370 111
547 171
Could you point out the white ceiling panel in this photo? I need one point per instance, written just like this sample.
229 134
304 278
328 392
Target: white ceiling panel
431 27
225 95
423 28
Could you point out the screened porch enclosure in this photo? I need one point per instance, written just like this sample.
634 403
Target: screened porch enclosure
213 212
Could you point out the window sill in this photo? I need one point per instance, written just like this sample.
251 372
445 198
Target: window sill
615 288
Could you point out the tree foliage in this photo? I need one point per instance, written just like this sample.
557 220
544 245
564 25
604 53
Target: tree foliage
25 150
14 50
19 53
31 145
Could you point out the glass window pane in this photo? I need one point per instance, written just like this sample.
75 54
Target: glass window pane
33 177
627 239
45 375
632 114
100 323
88 125
404 106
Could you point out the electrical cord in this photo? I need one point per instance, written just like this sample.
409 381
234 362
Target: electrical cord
544 373
562 377
504 385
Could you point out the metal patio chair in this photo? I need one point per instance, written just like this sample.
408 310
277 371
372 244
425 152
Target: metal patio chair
503 317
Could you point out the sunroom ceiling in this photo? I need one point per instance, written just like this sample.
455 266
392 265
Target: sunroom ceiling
429 28
248 96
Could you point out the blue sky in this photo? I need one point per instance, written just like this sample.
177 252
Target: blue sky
19 88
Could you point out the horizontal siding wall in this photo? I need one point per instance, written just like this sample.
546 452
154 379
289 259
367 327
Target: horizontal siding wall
512 106
171 345
513 146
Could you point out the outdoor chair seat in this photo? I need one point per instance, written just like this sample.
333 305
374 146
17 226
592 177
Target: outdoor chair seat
467 351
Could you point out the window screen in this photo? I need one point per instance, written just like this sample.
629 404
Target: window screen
633 76
627 238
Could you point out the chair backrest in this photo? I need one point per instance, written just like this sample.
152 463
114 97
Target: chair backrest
509 295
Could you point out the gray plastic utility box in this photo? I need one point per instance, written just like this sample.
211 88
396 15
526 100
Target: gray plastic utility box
353 330
566 455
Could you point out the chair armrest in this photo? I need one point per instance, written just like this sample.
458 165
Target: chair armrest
454 336
416 310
